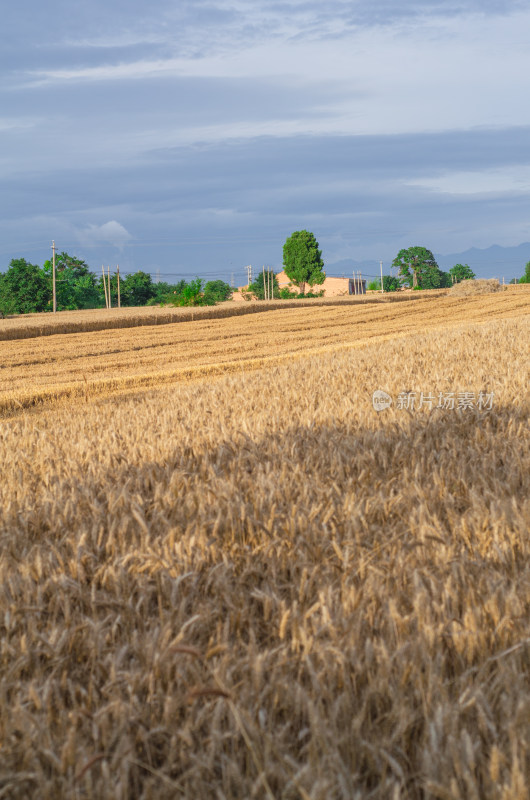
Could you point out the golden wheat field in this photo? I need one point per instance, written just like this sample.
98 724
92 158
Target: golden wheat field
224 575
30 325
97 362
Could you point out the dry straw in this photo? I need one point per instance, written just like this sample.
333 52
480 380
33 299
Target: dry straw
476 286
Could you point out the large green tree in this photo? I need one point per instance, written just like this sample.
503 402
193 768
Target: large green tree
24 288
302 260
417 268
75 285
445 280
461 272
137 289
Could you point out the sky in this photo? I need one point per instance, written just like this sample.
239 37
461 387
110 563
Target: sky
193 137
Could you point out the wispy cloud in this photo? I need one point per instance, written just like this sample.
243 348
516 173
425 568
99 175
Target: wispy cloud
134 70
508 179
440 74
20 123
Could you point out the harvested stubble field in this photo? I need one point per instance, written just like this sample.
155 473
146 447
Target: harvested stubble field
27 326
253 585
88 364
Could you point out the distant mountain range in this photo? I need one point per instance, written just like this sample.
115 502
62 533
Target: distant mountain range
491 262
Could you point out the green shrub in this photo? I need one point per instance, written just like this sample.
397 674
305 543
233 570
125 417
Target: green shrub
390 283
311 294
218 291
191 295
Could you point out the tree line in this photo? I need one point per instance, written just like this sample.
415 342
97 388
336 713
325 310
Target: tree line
416 268
26 288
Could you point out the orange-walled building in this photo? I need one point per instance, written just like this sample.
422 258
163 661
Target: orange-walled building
333 287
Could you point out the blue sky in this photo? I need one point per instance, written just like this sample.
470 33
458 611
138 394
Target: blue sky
193 137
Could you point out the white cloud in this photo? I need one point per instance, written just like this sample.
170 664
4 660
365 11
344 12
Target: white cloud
109 233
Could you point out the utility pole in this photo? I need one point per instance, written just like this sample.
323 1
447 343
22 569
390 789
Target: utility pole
105 286
381 267
110 302
249 273
53 279
264 284
118 274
